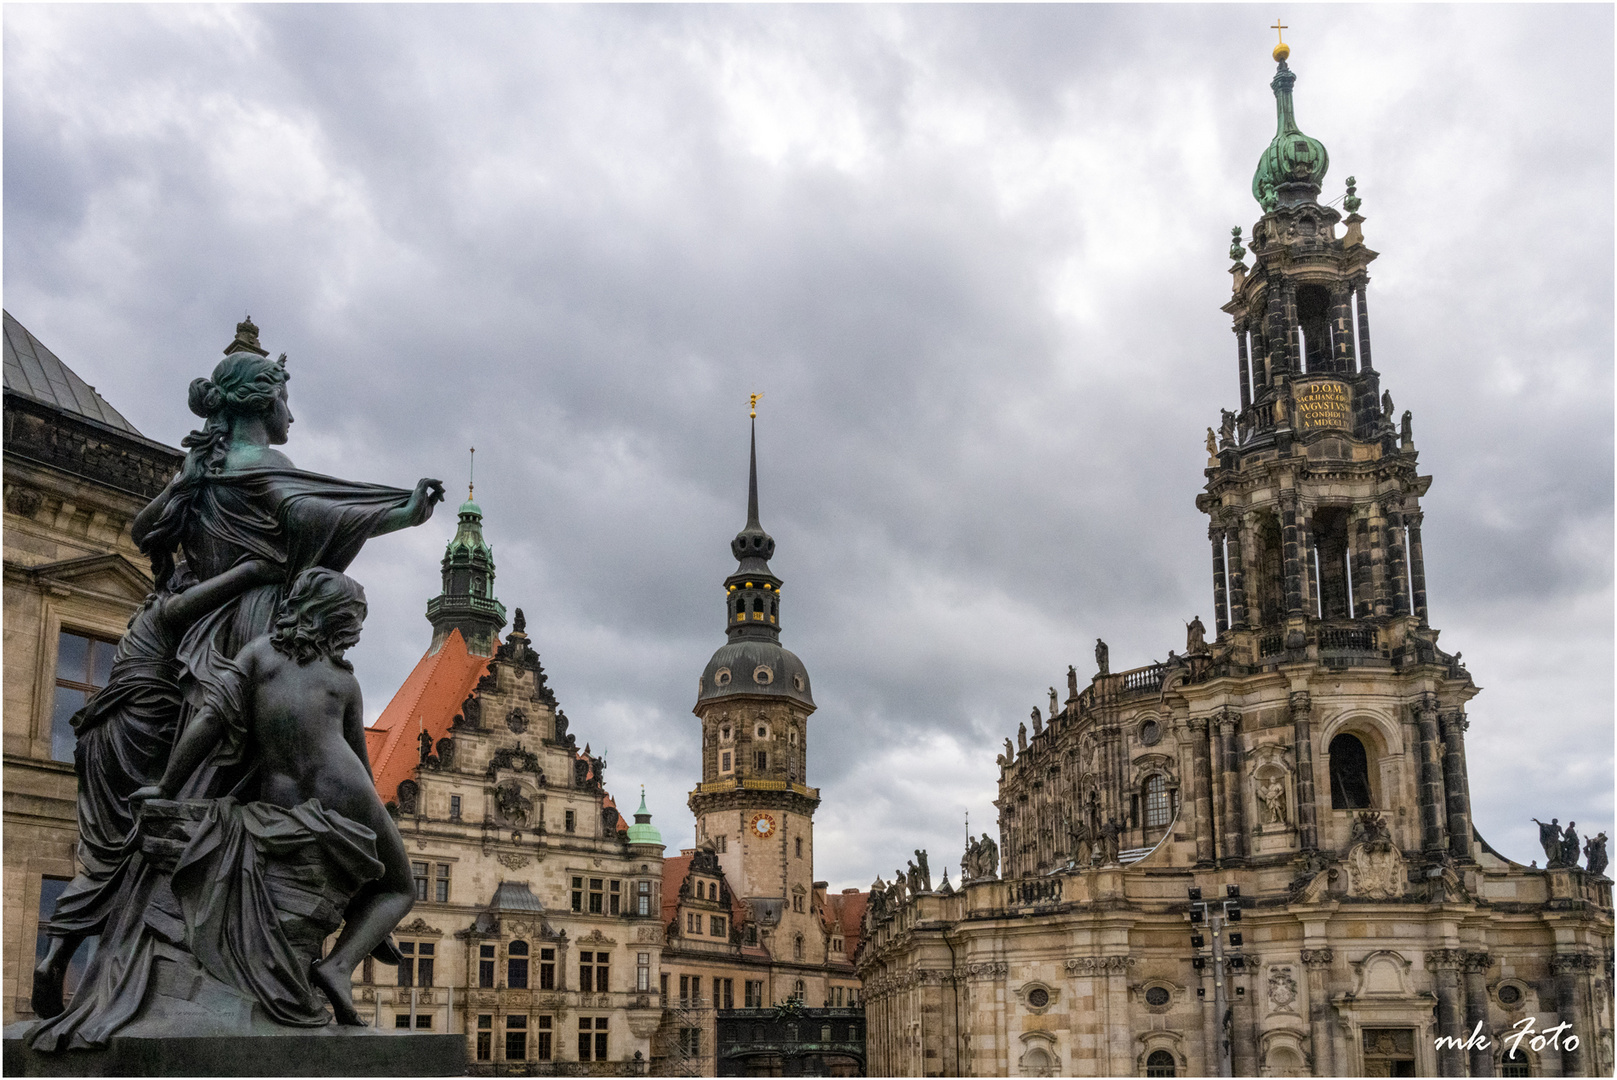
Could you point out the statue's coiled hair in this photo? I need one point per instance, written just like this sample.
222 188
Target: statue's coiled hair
310 622
243 384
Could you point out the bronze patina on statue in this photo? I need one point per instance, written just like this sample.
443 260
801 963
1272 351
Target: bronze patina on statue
228 823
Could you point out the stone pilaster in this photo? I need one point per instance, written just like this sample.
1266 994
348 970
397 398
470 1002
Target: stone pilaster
1317 962
1341 317
1434 834
1572 971
1202 791
1456 785
1236 535
1229 729
1246 384
1302 740
1444 964
1364 327
1397 566
1476 966
1359 563
1221 621
1276 334
1417 567
1291 557
1380 603
1311 604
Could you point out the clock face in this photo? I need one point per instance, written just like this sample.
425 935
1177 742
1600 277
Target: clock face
763 825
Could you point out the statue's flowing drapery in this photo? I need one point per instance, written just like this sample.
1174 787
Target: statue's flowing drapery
297 520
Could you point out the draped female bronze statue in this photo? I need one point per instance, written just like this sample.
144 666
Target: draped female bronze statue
242 523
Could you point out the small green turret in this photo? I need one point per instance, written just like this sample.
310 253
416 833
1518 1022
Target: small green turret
1293 164
642 831
467 602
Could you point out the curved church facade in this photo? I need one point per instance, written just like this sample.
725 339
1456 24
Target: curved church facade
1258 858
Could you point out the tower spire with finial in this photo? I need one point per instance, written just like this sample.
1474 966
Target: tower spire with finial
1293 164
471 477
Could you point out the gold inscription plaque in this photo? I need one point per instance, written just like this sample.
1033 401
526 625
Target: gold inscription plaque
1324 404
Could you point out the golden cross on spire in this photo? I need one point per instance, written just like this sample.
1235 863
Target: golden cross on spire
753 405
1282 50
1278 27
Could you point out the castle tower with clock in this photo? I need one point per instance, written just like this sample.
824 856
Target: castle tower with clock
754 805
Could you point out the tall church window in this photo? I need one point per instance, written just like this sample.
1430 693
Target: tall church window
797 947
1157 810
1313 310
1330 529
1271 595
1350 774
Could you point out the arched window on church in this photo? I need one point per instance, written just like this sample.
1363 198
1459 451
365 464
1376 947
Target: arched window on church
1157 811
1350 774
797 987
1160 1063
797 947
1515 1063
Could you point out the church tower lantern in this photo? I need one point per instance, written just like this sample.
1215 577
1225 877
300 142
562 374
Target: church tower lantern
754 808
467 601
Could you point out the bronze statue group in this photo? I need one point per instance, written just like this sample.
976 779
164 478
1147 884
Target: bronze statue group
227 819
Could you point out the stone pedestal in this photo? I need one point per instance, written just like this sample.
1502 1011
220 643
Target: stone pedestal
328 1051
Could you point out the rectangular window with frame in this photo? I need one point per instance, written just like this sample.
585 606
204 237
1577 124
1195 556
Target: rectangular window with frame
729 994
642 972
570 821
83 666
440 891
416 967
717 926
600 1038
690 1041
516 1038
596 895
418 872
516 965
541 1040
684 990
754 991
485 967
643 898
586 972
760 760
578 894
485 1037
454 808
547 969
586 1043
662 985
725 765
614 897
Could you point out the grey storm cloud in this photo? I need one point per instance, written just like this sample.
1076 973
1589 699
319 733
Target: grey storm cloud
973 257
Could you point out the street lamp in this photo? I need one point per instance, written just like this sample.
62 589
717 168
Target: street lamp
1210 921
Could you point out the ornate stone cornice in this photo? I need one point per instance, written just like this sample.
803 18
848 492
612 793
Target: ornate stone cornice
992 970
1099 965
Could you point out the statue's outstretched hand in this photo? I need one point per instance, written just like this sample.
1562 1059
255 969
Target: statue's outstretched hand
428 493
150 791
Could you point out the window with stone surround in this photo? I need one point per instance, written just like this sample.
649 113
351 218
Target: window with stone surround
416 967
485 1037
485 967
592 1049
83 666
516 965
541 1039
516 1038
1350 774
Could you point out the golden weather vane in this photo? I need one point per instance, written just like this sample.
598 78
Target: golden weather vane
753 405
471 476
1282 50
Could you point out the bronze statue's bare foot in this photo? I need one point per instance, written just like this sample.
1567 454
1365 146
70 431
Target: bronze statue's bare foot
339 988
47 997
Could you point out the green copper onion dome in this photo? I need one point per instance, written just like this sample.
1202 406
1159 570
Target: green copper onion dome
1291 168
642 831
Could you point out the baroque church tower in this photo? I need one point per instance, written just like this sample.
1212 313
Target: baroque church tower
1258 858
754 806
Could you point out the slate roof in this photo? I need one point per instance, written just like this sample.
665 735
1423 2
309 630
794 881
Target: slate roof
33 371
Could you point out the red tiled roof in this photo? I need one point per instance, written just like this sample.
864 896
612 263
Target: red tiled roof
429 700
846 911
675 870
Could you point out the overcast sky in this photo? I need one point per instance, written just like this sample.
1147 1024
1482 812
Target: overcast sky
972 256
